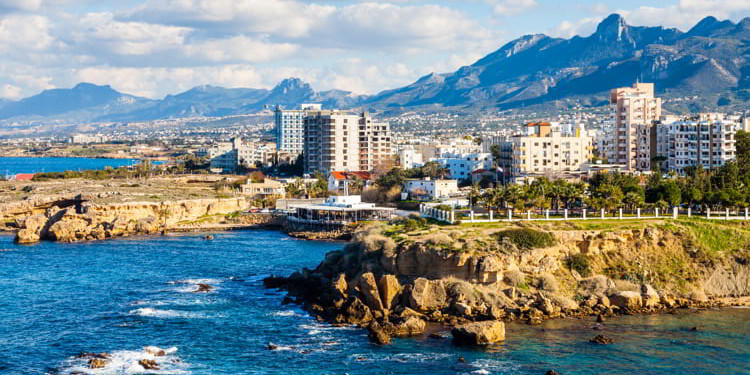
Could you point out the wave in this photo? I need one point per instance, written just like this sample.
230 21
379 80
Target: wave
197 281
178 302
157 313
286 313
126 362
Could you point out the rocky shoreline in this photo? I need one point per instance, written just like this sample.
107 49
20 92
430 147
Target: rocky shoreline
395 289
105 221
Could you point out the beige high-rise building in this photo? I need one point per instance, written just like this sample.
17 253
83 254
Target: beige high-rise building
636 111
545 150
342 141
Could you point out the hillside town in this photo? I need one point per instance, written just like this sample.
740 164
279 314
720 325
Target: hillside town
310 153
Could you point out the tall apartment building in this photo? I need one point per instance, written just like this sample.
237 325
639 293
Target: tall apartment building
636 111
342 141
290 128
544 150
707 139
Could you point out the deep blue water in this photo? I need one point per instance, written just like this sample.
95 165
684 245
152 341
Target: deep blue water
57 300
36 165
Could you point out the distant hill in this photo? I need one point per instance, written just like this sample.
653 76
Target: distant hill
711 60
709 63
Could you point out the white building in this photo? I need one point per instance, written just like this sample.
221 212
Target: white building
706 139
428 189
228 156
410 158
86 139
460 166
290 128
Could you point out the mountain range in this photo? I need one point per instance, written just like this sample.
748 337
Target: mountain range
711 61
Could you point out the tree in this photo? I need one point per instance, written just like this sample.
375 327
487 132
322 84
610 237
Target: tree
632 200
743 145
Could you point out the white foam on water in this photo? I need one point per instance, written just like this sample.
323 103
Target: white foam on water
285 313
176 302
157 313
197 281
126 362
481 372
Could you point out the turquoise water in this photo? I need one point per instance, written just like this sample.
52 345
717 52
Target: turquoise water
36 165
58 300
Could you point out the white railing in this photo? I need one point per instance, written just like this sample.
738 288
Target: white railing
431 211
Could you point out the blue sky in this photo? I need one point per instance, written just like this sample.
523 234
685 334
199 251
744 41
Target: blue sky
156 47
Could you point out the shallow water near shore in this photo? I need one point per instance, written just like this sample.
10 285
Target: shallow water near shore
58 300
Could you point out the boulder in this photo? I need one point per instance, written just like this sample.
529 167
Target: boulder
462 309
97 363
203 288
378 335
411 326
149 364
357 312
369 290
155 351
626 299
389 288
649 295
426 295
480 333
25 236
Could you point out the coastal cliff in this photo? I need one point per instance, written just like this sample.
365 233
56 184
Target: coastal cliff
102 221
392 280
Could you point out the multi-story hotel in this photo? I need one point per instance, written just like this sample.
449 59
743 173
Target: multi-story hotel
341 141
545 150
290 128
707 139
636 111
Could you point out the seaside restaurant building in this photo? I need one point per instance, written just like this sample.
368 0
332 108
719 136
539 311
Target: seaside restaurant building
339 210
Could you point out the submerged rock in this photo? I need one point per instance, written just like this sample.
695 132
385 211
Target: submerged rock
481 333
601 339
204 288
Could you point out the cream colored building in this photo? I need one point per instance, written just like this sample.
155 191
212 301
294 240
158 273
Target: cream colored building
342 141
265 188
636 111
544 150
429 189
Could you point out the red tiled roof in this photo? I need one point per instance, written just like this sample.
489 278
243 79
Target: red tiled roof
351 175
24 177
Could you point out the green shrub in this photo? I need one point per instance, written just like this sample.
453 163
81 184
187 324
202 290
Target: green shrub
580 263
412 224
526 238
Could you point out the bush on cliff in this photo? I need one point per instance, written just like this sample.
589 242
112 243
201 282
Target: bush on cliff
514 278
546 282
527 238
579 263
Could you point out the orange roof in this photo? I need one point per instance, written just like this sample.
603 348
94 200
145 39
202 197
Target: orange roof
537 124
24 177
351 175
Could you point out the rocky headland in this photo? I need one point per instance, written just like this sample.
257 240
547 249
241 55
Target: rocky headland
397 282
72 210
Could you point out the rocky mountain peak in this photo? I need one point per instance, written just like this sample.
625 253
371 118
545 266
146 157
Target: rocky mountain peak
614 28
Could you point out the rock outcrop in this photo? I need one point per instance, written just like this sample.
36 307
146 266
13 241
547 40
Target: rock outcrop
102 221
395 287
482 333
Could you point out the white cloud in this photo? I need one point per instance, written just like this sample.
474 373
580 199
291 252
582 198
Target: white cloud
9 91
24 32
511 7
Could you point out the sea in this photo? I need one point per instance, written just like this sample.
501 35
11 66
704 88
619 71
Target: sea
12 166
120 296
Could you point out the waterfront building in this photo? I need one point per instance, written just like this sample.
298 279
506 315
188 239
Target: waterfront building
545 150
338 211
342 141
428 189
290 128
636 109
